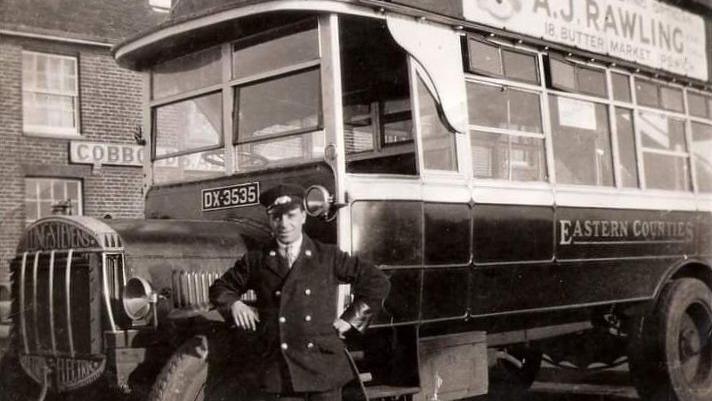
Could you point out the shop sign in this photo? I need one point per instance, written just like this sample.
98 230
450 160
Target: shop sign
644 31
105 153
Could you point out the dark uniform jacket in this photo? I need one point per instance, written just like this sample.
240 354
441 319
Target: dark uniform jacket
297 308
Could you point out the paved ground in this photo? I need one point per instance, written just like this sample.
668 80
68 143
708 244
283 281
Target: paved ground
551 385
568 385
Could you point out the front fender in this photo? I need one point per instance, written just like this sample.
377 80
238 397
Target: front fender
181 258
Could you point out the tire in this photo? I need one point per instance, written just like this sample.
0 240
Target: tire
193 373
511 382
670 352
184 376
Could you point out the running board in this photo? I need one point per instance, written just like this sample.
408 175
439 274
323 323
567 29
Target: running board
384 391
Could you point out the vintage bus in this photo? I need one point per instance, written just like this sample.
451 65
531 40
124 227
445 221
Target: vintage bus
530 196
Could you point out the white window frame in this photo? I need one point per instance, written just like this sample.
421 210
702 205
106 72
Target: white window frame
31 88
79 207
524 86
226 86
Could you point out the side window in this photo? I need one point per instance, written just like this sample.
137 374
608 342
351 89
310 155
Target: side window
621 87
50 94
700 105
439 151
507 139
626 148
653 94
490 59
665 154
702 149
47 196
581 139
578 78
378 124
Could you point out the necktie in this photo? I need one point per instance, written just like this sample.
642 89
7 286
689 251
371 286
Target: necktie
289 254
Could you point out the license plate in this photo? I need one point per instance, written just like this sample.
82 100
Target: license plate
231 196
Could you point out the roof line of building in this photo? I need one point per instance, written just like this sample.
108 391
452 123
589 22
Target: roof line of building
54 38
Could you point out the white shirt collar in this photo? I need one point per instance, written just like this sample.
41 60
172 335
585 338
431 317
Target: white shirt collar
294 246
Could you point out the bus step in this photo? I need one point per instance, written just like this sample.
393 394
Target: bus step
385 391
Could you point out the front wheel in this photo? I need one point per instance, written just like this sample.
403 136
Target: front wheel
670 352
209 367
184 375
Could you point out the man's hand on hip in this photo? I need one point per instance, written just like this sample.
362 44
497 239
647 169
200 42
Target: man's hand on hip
341 326
245 317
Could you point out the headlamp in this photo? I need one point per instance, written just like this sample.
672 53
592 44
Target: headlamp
138 297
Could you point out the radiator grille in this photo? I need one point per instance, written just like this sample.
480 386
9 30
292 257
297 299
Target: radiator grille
190 288
57 303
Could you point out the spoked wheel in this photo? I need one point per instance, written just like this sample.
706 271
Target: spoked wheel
671 351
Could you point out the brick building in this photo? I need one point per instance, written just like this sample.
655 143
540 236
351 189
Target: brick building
62 90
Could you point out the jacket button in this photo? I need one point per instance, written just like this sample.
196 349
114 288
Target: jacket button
277 293
307 291
282 319
308 253
310 345
307 318
272 253
284 346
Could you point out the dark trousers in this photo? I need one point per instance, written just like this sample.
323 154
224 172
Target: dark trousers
330 395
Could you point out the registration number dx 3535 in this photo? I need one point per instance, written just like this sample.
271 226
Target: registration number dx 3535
231 196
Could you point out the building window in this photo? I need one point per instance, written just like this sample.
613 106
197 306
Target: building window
50 94
47 196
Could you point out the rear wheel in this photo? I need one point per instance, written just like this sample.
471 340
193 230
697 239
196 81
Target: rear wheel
670 353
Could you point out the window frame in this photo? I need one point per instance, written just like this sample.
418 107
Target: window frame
51 130
226 87
659 86
544 88
576 65
472 128
154 132
595 101
535 87
295 70
501 47
693 156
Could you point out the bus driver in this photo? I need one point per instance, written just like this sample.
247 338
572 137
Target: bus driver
296 282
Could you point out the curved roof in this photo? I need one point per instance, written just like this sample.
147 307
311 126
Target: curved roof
201 23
